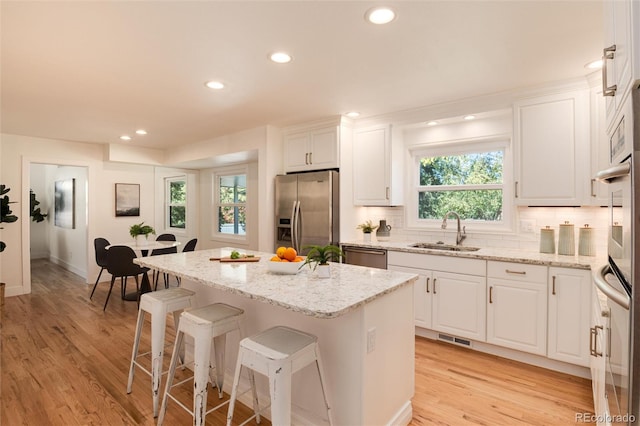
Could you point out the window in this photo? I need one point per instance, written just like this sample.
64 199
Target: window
230 203
468 180
176 196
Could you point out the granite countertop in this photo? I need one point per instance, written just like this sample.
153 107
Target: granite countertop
491 253
348 288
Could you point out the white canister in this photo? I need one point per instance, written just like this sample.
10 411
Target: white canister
548 240
585 241
566 239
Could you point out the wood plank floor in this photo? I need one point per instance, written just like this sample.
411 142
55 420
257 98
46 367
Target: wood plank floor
65 362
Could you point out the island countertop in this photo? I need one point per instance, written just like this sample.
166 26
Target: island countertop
348 288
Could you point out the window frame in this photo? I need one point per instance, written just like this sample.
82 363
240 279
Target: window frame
215 203
460 147
168 204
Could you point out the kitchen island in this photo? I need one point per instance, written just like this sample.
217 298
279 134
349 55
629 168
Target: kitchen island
363 318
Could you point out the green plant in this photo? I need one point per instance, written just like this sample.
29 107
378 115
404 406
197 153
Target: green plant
36 214
6 215
367 227
141 229
321 255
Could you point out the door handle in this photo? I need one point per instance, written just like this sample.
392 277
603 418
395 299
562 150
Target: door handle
434 285
310 158
491 294
306 158
516 189
593 341
593 192
428 285
607 53
553 285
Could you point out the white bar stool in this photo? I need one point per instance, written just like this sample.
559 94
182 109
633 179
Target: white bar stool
158 304
278 353
206 324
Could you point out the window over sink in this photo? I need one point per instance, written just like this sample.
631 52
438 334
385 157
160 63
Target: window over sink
467 177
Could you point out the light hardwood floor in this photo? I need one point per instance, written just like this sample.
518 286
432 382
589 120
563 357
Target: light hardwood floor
65 362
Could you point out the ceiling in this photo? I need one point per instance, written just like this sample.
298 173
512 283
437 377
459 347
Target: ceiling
92 71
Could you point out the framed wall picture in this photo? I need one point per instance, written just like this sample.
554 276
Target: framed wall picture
65 204
127 199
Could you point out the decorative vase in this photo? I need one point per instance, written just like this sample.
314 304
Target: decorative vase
324 271
382 234
141 240
366 237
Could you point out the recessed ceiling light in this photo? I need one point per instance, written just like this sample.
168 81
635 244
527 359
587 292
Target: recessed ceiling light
432 123
125 137
469 117
280 57
353 114
594 65
380 15
141 132
216 85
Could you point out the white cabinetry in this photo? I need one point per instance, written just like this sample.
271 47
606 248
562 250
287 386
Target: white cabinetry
377 167
617 70
517 306
598 191
597 360
446 300
312 149
569 315
551 149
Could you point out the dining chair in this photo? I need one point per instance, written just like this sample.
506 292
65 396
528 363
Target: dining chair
120 265
100 245
190 246
156 252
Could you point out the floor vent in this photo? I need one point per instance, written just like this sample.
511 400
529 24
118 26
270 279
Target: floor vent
456 340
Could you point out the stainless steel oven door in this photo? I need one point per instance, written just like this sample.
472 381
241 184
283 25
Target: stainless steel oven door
618 346
618 180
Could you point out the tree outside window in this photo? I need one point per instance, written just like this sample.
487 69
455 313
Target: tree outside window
231 204
177 203
470 184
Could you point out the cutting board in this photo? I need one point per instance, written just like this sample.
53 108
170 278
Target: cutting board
242 259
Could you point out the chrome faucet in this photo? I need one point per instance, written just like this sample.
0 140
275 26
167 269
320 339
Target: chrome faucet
460 236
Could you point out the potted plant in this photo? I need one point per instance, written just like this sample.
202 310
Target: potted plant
320 256
36 213
138 230
6 215
367 228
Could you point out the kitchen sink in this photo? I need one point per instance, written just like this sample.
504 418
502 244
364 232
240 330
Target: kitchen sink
443 246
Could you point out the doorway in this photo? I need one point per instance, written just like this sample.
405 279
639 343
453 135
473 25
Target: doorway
61 236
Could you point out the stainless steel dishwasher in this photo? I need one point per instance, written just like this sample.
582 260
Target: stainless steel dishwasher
373 258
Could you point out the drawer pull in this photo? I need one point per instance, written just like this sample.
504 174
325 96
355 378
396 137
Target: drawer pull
509 271
428 284
593 341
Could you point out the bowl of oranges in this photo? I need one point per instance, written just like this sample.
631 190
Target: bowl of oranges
285 261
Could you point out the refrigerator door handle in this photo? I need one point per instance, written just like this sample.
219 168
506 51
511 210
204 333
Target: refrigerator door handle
293 223
298 226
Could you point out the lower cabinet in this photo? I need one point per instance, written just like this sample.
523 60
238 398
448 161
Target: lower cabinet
569 315
517 306
444 300
597 359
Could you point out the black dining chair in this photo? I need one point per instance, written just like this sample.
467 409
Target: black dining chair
100 245
120 265
190 246
156 252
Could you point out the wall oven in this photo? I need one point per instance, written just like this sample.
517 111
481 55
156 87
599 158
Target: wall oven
615 281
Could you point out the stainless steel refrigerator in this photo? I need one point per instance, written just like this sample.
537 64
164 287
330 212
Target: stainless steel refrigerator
307 209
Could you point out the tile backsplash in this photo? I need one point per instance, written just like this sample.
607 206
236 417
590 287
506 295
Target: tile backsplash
533 218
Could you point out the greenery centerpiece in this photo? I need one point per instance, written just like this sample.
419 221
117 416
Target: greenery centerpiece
320 256
6 215
36 214
140 229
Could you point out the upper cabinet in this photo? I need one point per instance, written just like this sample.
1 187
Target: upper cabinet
377 167
551 149
617 71
312 148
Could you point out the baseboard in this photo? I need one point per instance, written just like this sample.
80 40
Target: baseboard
404 416
527 358
69 267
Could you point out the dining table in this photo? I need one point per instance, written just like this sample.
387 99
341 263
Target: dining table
144 250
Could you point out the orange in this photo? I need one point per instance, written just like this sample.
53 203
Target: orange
284 260
298 259
290 254
280 252
275 259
